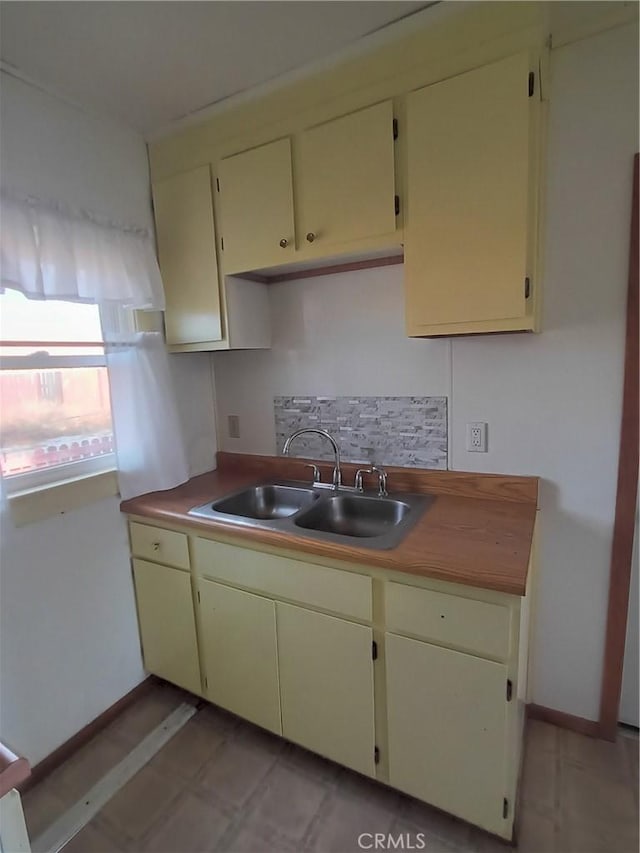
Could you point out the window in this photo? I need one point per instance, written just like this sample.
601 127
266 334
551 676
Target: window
55 412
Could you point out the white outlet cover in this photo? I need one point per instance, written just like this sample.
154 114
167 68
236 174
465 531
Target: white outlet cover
233 422
477 437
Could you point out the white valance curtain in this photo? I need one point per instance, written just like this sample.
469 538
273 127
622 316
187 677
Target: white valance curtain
51 251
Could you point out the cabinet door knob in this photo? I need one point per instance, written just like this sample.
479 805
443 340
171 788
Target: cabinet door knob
311 237
284 243
155 546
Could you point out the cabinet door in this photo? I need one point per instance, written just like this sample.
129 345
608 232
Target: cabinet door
167 624
256 201
446 716
467 222
326 686
239 653
185 231
346 185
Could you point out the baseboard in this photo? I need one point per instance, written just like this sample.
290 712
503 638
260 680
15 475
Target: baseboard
67 749
590 728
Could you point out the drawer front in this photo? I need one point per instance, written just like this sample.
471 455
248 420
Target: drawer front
449 620
159 545
346 593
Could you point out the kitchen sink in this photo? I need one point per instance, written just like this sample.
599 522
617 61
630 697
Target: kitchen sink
344 516
263 502
354 515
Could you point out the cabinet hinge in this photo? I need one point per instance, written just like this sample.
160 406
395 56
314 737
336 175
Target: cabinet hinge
374 650
505 808
532 83
509 690
396 202
218 184
395 129
198 595
527 287
376 755
222 243
206 683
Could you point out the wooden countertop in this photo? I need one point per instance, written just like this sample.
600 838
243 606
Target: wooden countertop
13 770
477 532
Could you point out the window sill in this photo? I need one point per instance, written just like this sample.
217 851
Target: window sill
31 505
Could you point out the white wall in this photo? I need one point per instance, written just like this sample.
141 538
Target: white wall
70 644
333 335
552 401
193 387
68 634
55 151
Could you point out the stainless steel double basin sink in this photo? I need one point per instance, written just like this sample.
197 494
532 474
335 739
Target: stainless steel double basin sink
343 516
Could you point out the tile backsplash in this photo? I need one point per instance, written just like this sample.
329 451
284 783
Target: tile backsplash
405 431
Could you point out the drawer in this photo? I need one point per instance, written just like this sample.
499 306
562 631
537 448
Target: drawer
159 545
346 593
449 620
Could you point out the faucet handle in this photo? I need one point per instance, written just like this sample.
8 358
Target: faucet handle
316 472
357 483
382 481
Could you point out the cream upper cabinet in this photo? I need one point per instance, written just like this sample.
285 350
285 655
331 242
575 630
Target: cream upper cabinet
326 686
167 623
471 154
447 730
185 231
256 203
309 174
238 642
345 184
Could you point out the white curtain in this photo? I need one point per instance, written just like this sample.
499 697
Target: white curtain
51 252
151 453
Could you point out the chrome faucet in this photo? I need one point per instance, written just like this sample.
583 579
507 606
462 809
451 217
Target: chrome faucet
357 485
382 479
337 473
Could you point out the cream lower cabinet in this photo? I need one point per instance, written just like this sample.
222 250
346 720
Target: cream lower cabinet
240 660
326 686
446 717
167 623
434 709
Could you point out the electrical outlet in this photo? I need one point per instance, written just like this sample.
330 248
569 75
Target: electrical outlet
233 424
477 437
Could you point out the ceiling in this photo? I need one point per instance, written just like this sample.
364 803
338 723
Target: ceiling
151 63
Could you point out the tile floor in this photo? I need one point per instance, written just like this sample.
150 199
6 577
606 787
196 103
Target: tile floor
222 785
